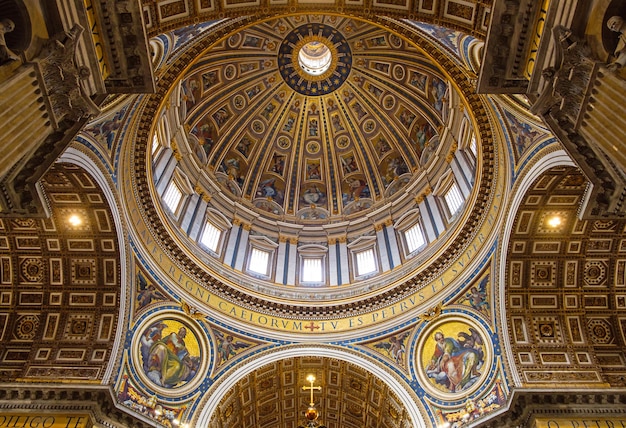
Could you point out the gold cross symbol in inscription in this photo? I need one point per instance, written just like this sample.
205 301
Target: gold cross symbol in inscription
311 379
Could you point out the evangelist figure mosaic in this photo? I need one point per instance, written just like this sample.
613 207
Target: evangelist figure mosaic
170 353
453 356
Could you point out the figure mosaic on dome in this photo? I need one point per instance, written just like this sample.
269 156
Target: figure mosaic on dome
221 116
313 169
268 206
234 168
438 92
418 80
206 135
277 164
355 188
209 79
245 146
228 346
374 90
397 185
190 93
291 120
406 117
146 291
313 196
477 296
392 168
453 356
395 347
271 188
382 146
312 214
349 163
421 134
170 353
429 150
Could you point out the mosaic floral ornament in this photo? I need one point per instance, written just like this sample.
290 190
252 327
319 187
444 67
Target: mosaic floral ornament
454 356
170 353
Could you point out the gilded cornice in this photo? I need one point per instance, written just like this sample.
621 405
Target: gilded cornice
165 17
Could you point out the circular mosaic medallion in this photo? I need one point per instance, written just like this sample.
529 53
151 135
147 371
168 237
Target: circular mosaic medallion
239 101
398 72
314 59
230 71
234 40
169 353
258 126
313 147
343 142
389 102
284 142
454 357
369 126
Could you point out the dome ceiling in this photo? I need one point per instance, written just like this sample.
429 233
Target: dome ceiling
239 126
313 118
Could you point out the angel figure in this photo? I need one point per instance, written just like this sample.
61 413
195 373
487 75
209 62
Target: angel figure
477 296
146 293
395 347
227 346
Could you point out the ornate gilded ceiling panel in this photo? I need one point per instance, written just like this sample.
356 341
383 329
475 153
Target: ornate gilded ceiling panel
469 16
60 284
566 288
343 157
273 397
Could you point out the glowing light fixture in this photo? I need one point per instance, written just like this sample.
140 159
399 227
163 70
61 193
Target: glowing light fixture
555 221
75 220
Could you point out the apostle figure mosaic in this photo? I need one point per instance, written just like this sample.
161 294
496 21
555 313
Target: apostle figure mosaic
454 356
170 353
